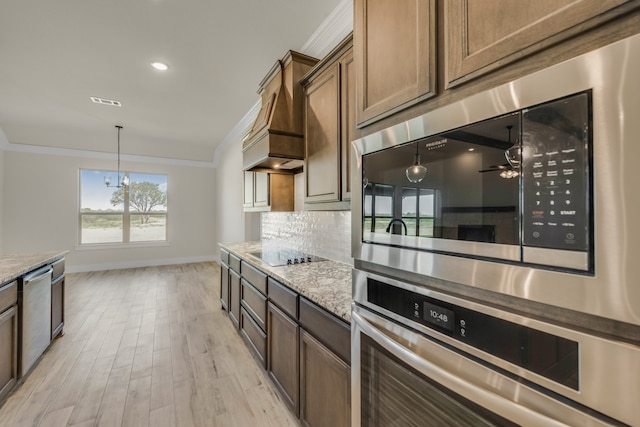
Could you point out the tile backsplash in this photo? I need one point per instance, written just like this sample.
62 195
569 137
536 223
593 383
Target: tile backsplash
322 233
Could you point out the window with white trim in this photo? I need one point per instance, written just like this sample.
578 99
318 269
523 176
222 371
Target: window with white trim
135 213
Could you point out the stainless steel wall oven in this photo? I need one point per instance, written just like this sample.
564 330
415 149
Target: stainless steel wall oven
424 358
515 208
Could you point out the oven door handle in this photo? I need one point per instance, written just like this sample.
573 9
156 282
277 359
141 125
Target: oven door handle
491 401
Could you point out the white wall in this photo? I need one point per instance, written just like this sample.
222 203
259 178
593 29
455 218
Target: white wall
232 223
41 212
1 197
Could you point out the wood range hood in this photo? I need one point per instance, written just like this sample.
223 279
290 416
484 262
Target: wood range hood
276 139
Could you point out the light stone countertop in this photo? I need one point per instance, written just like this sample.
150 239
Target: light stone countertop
13 266
326 283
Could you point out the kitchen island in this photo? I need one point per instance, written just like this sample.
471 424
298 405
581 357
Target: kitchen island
31 311
13 266
295 319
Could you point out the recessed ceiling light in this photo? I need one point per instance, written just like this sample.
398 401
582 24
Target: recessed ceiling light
160 66
105 101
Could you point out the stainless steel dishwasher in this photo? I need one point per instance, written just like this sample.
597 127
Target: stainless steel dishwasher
34 301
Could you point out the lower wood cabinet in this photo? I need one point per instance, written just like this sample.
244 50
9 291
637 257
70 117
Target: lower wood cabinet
57 298
313 378
234 297
8 338
224 279
304 348
283 350
224 286
325 385
57 307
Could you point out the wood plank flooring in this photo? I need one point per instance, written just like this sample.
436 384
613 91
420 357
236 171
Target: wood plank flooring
146 347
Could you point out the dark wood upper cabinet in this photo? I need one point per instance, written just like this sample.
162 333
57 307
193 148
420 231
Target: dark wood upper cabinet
322 137
329 129
265 192
412 56
482 36
395 56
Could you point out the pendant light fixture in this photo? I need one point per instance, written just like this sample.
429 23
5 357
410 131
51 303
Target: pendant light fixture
416 172
512 155
125 179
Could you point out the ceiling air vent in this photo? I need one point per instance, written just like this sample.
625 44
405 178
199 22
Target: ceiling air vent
105 101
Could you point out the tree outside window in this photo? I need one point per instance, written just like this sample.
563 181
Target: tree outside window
136 213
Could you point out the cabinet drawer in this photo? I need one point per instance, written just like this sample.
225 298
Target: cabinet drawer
234 263
255 303
328 329
254 335
8 295
254 276
224 257
284 298
58 269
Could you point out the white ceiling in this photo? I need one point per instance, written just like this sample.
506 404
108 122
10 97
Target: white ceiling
54 55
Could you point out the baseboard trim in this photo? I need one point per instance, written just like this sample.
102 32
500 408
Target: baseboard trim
138 264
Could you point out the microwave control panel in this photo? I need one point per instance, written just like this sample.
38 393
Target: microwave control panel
555 168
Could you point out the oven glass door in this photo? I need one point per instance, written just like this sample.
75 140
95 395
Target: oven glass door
403 378
393 394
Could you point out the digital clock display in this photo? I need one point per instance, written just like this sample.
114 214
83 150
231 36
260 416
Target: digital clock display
439 316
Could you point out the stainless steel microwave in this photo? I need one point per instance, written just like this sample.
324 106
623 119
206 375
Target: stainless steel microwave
530 190
513 188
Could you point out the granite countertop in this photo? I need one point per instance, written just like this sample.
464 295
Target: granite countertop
13 266
326 283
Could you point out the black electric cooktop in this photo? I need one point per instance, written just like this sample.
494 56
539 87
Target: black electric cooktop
278 257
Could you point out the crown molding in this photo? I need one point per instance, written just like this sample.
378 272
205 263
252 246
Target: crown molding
331 32
5 145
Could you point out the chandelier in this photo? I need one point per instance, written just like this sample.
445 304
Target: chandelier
125 179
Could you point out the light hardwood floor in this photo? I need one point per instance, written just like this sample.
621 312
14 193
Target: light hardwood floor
146 346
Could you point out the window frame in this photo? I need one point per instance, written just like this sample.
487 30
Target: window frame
126 215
